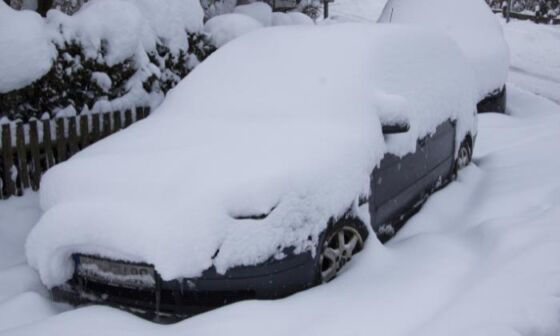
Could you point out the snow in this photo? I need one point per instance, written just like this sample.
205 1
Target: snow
259 11
221 157
481 258
17 216
535 64
470 23
356 10
26 50
123 29
172 19
293 18
95 26
247 18
226 27
300 18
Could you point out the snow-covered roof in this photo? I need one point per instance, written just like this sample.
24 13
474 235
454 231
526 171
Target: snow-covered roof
285 118
470 23
26 49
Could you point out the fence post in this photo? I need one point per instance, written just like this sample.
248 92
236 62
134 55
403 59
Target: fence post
47 144
60 140
72 137
7 156
35 160
23 171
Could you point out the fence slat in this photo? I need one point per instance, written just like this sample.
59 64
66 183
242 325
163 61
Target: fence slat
35 160
23 171
95 127
72 137
84 131
127 118
107 129
9 185
142 112
47 144
117 124
60 140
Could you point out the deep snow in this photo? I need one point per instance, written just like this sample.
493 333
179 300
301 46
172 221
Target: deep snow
481 258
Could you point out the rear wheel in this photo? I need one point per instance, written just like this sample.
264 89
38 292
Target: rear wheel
341 243
464 156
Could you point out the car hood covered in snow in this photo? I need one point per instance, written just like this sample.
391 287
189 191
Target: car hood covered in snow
283 123
470 23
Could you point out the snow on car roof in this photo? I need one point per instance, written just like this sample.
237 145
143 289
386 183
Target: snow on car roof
470 23
283 122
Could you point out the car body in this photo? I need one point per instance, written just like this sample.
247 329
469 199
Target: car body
475 29
262 173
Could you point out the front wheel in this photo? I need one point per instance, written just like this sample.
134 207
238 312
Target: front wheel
341 243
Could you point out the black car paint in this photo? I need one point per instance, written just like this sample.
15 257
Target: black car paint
399 187
496 101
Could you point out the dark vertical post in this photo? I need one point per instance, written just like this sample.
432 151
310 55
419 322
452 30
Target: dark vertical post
43 6
22 157
35 159
508 11
9 186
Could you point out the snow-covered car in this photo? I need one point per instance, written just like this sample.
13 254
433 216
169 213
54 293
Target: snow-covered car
262 173
477 31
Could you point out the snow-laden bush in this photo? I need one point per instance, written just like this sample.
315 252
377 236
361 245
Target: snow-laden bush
112 54
247 18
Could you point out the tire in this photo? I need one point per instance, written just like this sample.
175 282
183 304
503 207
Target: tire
464 156
337 247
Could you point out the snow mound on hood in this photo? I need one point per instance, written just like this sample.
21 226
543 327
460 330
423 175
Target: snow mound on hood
256 129
470 23
26 48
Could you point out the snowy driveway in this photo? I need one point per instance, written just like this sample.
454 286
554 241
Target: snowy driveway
481 258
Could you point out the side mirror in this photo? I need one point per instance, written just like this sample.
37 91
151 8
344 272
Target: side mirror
395 128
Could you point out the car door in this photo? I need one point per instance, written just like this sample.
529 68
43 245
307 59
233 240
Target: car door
441 150
399 184
394 184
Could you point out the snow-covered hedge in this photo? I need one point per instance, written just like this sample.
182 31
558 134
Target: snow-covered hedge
247 18
112 54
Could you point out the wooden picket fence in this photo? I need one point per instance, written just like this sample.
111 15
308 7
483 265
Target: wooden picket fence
532 17
28 150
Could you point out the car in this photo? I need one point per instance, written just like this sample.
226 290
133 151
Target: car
475 29
262 173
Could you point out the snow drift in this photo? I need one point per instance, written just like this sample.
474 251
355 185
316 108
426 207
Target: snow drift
256 129
470 23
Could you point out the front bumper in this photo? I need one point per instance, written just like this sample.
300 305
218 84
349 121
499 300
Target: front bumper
180 298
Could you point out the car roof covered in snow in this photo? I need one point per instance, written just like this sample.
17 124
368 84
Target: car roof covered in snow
470 23
285 118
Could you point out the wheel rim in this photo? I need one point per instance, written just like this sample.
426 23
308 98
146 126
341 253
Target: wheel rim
338 249
463 158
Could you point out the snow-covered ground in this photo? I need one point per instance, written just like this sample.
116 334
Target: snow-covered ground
481 258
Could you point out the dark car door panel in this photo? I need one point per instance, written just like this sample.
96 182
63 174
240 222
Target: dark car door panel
400 184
